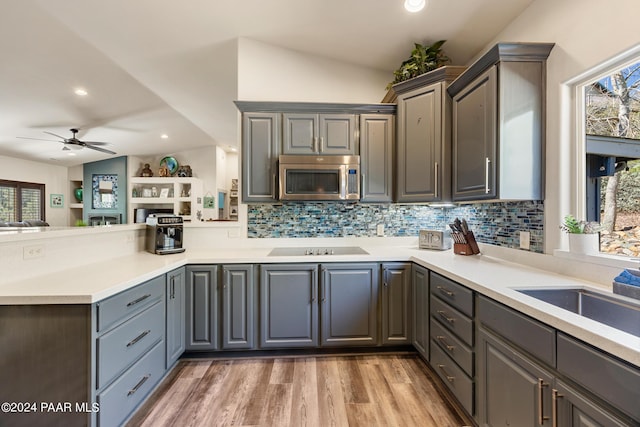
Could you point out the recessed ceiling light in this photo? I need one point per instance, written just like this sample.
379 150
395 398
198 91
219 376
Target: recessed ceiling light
414 5
164 136
81 92
71 153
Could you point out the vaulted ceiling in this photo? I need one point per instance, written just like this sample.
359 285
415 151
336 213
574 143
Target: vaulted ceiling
144 63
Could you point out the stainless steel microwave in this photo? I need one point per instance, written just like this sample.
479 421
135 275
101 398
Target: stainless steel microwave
319 177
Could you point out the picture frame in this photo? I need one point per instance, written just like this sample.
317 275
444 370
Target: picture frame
164 193
57 200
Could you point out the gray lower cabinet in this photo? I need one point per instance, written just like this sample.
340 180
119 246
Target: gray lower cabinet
288 305
376 157
396 310
349 304
309 133
532 375
452 334
512 389
130 349
175 296
420 289
260 150
201 298
239 308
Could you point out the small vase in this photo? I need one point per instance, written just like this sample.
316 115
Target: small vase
588 244
78 194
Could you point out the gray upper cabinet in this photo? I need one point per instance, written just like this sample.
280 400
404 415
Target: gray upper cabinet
307 133
288 305
239 307
260 151
424 137
175 315
396 310
349 304
376 157
201 298
498 124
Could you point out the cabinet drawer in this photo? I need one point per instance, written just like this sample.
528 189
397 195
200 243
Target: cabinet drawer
453 320
453 293
122 397
123 345
602 375
125 304
521 330
453 377
453 347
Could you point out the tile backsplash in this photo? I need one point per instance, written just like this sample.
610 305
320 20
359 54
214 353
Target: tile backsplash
496 223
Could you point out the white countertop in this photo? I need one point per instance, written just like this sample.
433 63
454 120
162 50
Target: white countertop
487 275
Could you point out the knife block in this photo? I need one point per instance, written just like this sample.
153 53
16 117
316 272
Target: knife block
469 248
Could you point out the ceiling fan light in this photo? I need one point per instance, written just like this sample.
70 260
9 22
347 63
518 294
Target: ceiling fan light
414 6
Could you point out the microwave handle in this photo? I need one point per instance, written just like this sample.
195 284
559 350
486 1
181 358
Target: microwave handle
276 184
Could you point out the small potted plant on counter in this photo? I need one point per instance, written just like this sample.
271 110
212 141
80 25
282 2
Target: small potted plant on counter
584 236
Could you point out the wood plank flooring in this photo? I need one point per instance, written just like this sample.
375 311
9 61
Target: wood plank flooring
361 390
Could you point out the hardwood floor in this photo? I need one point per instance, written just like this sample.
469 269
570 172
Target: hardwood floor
362 390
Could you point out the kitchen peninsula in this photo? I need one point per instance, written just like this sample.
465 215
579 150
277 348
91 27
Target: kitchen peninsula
84 289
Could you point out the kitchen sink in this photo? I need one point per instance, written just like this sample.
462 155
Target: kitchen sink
618 312
310 251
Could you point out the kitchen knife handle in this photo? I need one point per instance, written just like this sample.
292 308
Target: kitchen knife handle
487 164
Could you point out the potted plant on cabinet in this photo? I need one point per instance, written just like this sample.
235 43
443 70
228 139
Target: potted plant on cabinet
422 60
584 236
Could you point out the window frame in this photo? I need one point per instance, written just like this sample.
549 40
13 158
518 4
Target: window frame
18 186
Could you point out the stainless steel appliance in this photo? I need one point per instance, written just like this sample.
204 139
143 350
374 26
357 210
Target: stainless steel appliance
434 239
319 177
164 234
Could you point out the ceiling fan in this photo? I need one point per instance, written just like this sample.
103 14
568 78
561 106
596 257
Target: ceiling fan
74 143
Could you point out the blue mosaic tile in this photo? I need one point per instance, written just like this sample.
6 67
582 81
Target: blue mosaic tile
493 223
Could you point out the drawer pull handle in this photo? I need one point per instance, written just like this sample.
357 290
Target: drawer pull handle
541 385
445 343
445 317
138 338
137 386
446 374
136 301
445 291
554 407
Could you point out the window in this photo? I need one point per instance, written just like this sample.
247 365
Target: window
21 201
612 126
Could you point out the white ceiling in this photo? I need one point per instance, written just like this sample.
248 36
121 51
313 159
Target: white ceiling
144 62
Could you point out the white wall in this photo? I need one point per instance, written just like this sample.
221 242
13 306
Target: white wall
54 177
271 73
586 33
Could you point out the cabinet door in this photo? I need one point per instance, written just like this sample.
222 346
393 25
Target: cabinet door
376 157
175 315
349 298
300 133
396 311
573 409
289 305
337 134
238 307
260 151
419 155
512 390
474 139
202 307
420 285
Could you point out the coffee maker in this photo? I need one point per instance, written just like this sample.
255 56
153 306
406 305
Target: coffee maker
164 234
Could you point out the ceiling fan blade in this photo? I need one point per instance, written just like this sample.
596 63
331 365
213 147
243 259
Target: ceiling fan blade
58 136
95 143
38 139
104 150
